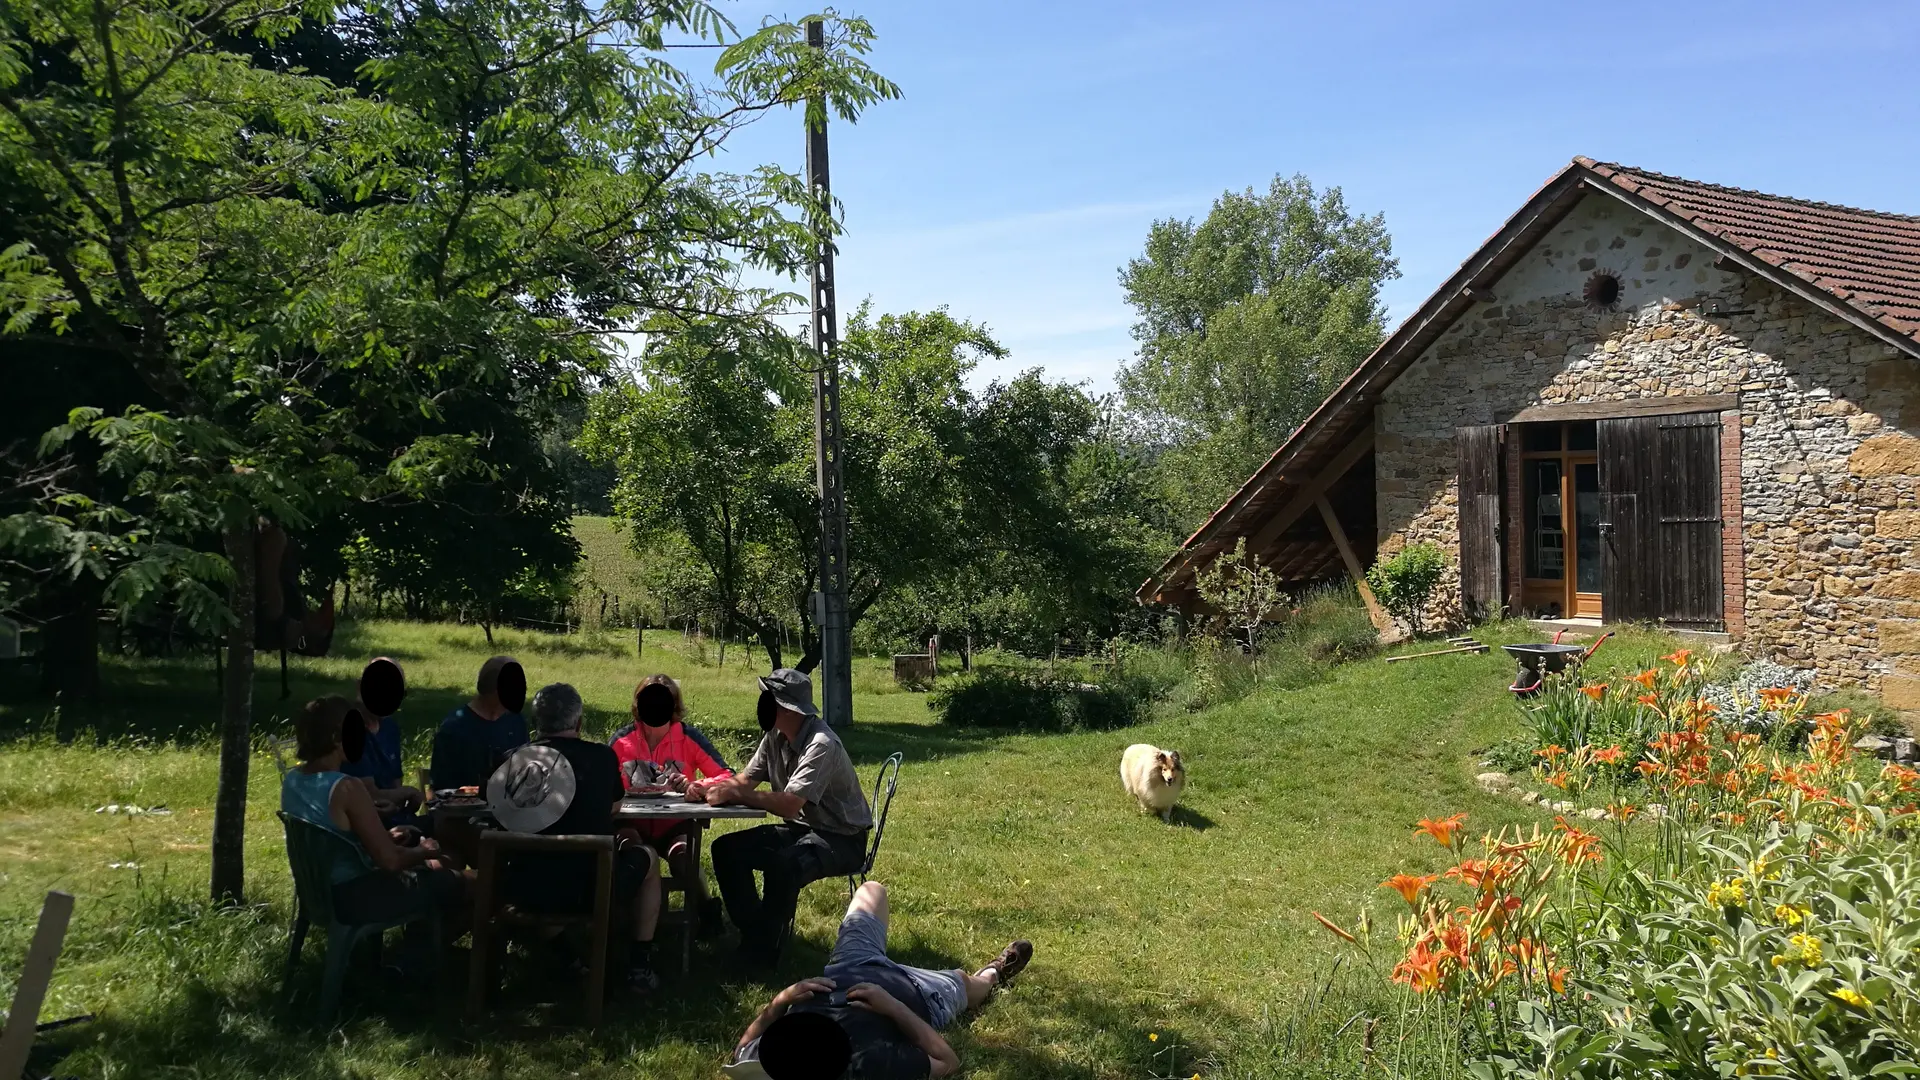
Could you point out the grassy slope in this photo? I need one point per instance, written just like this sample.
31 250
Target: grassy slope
1199 932
607 564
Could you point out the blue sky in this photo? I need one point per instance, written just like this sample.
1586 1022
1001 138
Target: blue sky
1036 142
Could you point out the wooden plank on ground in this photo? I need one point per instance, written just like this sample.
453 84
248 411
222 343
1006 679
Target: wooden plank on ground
35 977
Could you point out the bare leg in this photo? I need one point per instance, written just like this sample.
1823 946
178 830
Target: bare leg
872 899
980 986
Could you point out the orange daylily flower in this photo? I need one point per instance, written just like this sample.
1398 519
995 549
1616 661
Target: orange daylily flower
1337 932
1441 830
1609 756
1650 768
1551 753
1596 691
1679 657
1420 971
1622 811
1775 696
1648 699
1409 886
1557 978
1646 678
1580 846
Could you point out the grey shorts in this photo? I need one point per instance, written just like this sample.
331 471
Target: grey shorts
860 955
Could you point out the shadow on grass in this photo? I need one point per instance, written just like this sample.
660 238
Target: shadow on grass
1188 818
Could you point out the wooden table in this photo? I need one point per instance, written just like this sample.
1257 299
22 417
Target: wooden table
456 830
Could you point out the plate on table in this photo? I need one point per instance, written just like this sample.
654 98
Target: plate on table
653 791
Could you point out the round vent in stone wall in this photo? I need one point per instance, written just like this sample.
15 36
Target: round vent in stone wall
1602 291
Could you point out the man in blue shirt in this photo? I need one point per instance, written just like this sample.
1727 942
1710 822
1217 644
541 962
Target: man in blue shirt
476 737
382 687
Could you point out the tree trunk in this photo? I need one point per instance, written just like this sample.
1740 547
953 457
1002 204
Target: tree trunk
236 717
769 634
487 627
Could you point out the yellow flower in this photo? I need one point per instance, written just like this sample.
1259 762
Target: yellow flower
1732 893
1806 949
1772 1053
1153 1036
1779 961
1789 914
1852 997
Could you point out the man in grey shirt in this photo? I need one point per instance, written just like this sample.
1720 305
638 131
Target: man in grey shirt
813 786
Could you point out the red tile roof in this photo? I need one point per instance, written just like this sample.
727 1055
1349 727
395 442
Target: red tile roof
1866 259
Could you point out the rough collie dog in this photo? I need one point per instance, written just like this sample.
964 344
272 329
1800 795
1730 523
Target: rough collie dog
1154 777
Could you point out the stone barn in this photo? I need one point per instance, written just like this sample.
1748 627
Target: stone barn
1644 399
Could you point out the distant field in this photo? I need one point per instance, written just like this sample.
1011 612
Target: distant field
607 566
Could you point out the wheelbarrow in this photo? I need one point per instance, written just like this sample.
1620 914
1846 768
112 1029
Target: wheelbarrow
1537 661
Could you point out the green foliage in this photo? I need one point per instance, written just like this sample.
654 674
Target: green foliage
1248 320
1028 699
1792 954
1404 581
969 509
1300 647
1243 592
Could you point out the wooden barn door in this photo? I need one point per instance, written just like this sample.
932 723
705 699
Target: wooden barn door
1688 503
1660 496
1482 584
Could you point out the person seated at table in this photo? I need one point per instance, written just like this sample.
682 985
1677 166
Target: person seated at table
868 1016
375 878
476 737
814 787
381 688
659 749
563 785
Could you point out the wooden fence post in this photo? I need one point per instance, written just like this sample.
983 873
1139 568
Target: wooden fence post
35 977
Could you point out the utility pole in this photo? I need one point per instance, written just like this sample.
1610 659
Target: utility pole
830 603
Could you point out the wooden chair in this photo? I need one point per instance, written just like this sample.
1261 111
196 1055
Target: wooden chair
889 776
311 851
490 917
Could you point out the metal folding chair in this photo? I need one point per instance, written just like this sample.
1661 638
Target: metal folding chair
889 777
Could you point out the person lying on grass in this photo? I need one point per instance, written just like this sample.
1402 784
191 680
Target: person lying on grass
815 789
659 751
868 1017
563 785
375 877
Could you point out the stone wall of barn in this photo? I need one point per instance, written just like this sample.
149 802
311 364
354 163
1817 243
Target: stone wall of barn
1827 438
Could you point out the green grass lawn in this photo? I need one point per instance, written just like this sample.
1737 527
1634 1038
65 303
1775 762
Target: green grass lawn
1199 932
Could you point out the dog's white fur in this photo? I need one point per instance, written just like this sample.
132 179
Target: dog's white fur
1154 777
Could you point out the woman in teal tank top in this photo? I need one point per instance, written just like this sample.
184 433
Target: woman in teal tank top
375 878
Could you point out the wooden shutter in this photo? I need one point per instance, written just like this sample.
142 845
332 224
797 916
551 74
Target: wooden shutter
1660 525
1482 586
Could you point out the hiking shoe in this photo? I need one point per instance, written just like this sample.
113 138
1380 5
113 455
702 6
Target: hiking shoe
1011 961
641 979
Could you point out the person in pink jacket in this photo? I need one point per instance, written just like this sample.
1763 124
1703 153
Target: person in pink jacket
659 750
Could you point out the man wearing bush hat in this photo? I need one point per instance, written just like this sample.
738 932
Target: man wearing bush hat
813 786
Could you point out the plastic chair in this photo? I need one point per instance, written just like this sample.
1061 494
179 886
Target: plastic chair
311 851
489 917
283 754
889 775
